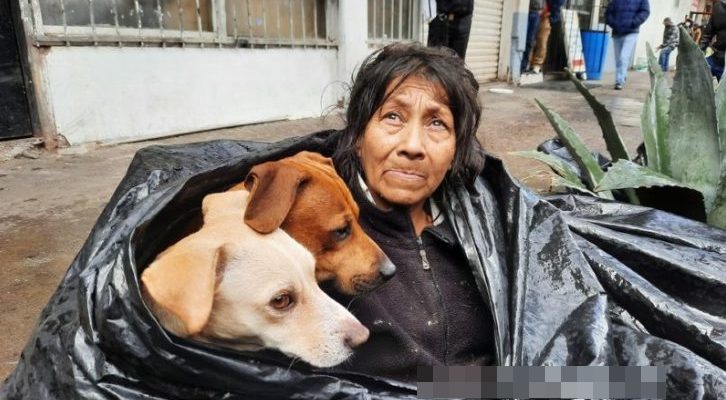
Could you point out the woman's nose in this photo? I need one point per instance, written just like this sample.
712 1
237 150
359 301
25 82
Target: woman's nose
411 144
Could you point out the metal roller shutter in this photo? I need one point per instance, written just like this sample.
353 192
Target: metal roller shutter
482 54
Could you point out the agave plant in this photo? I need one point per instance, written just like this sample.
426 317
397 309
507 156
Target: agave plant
684 135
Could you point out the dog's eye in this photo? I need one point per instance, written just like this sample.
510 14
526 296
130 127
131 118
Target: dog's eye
342 233
281 302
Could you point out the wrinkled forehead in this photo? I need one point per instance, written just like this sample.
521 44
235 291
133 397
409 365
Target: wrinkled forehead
420 80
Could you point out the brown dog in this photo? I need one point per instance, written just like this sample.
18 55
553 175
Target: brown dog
305 197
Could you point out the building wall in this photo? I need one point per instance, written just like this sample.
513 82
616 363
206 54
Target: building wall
652 30
116 94
109 94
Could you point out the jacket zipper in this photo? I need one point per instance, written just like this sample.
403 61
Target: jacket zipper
427 267
422 252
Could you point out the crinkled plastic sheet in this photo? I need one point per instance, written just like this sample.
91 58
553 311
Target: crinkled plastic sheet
572 280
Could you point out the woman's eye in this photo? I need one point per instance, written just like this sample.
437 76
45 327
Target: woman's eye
438 123
281 302
342 233
392 116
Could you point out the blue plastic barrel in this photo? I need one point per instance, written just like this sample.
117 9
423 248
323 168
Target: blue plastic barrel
594 48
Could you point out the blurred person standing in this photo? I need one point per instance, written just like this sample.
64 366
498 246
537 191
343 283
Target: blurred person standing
535 11
539 50
714 35
451 25
625 18
670 42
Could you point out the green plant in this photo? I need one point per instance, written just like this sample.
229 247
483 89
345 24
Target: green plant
684 135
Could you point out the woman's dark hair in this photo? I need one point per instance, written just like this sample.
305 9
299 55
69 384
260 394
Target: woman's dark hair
400 61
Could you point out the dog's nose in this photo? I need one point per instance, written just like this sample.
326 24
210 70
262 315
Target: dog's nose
387 269
356 334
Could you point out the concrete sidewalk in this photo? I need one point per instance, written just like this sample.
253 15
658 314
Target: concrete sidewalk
51 201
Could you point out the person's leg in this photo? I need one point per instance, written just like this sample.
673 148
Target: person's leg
715 67
619 72
532 25
459 30
663 59
626 53
539 52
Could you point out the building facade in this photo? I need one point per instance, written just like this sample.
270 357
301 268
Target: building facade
110 71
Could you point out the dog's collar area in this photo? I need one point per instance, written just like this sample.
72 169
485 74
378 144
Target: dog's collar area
436 214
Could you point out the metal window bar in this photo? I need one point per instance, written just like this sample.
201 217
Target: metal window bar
180 13
160 17
65 23
398 21
93 21
144 22
375 7
264 22
383 20
302 11
115 19
234 22
137 8
279 31
199 20
249 20
393 17
315 19
292 32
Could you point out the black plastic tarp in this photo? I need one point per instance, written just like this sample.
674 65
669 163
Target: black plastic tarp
572 280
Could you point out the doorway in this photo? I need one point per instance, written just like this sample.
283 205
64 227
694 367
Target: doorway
14 110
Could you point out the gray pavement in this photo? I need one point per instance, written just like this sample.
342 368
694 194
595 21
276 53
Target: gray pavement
50 201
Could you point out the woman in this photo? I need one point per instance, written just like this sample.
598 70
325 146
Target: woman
412 124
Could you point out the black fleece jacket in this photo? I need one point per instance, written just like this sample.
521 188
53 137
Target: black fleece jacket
430 312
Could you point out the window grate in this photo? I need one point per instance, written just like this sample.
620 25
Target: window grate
239 23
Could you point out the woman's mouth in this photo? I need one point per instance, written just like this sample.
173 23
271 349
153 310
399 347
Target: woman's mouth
405 174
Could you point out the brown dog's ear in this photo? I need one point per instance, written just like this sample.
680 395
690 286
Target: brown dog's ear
273 188
181 285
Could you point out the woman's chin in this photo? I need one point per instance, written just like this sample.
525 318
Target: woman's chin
403 197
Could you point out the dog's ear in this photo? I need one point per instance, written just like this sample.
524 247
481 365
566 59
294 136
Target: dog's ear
273 188
181 286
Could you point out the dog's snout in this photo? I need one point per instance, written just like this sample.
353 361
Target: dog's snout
387 269
355 334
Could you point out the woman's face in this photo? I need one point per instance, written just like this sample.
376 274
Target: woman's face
408 144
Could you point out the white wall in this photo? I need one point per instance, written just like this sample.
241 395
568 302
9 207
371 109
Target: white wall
652 30
109 94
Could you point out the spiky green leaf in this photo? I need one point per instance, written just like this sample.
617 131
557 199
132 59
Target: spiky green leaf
560 167
654 116
717 215
720 100
653 66
610 134
560 183
625 174
582 156
693 144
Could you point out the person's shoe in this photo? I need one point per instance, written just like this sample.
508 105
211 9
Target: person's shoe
618 86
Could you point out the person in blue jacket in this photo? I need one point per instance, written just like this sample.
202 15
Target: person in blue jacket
625 18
